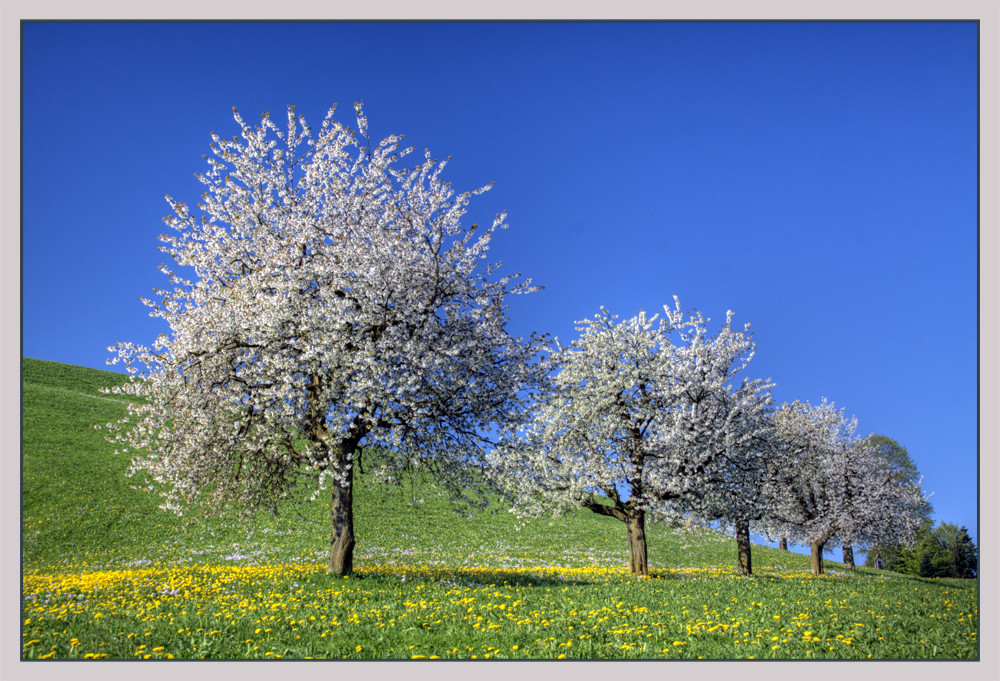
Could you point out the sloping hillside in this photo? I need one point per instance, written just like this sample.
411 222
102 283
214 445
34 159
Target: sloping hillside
107 574
80 509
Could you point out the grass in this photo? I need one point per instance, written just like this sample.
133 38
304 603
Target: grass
108 575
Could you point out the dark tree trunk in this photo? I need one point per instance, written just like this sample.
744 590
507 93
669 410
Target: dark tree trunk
635 530
635 527
743 565
816 549
849 556
342 515
783 544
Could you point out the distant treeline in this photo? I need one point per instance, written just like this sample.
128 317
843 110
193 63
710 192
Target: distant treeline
942 551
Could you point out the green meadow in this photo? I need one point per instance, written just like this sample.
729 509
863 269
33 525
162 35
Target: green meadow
106 574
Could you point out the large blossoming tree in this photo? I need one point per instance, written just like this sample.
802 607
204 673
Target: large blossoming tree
327 305
638 418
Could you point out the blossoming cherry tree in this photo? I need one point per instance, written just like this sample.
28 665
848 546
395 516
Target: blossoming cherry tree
328 304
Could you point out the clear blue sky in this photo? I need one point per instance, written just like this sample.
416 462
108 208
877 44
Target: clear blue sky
819 179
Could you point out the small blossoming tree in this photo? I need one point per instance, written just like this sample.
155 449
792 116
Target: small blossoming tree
327 304
912 505
806 499
884 502
826 485
722 421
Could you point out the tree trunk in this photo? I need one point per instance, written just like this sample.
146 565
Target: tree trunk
816 549
743 565
743 562
849 556
635 526
783 544
342 516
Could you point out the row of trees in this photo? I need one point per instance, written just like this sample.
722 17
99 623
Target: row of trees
329 307
652 416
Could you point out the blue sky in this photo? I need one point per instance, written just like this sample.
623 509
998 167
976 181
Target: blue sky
819 179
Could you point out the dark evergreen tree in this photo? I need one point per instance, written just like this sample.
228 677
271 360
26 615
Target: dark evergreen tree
955 551
966 556
927 567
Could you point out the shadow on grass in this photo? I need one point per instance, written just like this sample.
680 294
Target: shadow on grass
873 573
494 577
530 576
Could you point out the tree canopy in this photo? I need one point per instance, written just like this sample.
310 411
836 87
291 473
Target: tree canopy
328 303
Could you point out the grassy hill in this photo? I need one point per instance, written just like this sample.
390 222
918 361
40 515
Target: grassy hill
106 568
80 508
